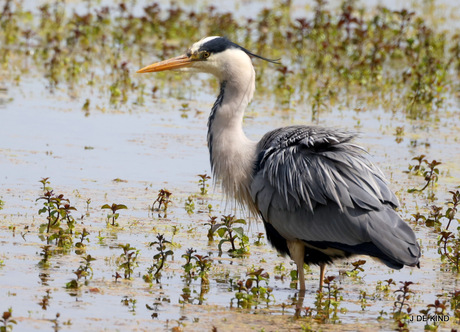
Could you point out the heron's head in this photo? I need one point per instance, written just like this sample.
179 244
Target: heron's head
214 55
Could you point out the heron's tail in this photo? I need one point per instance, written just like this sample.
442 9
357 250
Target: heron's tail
394 238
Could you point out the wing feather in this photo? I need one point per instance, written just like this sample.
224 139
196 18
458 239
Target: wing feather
312 184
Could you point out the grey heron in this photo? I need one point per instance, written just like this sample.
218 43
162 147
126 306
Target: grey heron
319 197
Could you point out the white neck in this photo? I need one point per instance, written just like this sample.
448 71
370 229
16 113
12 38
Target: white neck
232 153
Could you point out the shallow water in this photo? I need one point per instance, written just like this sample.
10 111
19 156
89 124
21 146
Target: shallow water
153 147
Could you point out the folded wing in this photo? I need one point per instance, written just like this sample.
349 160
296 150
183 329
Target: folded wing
314 185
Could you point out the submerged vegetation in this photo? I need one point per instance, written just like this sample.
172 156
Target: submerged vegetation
357 57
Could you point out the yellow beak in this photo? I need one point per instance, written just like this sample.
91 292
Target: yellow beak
174 63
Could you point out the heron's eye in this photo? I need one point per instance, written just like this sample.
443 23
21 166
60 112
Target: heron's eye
205 54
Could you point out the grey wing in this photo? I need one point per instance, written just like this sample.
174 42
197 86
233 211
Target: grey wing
314 185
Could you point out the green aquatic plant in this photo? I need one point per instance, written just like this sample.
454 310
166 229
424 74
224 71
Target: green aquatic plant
229 233
188 266
163 199
84 271
384 287
127 260
203 183
116 276
159 259
51 208
419 218
189 205
119 89
100 238
356 269
453 204
88 202
363 299
280 271
250 292
328 301
45 183
199 270
434 218
448 241
319 98
203 264
260 236
62 238
57 209
75 283
114 215
261 292
212 222
427 76
454 300
436 309
82 238
428 170
129 302
401 308
440 221
7 321
86 266
449 249
284 90
65 211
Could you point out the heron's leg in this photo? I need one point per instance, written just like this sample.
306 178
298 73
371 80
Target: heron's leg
297 253
299 305
322 272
